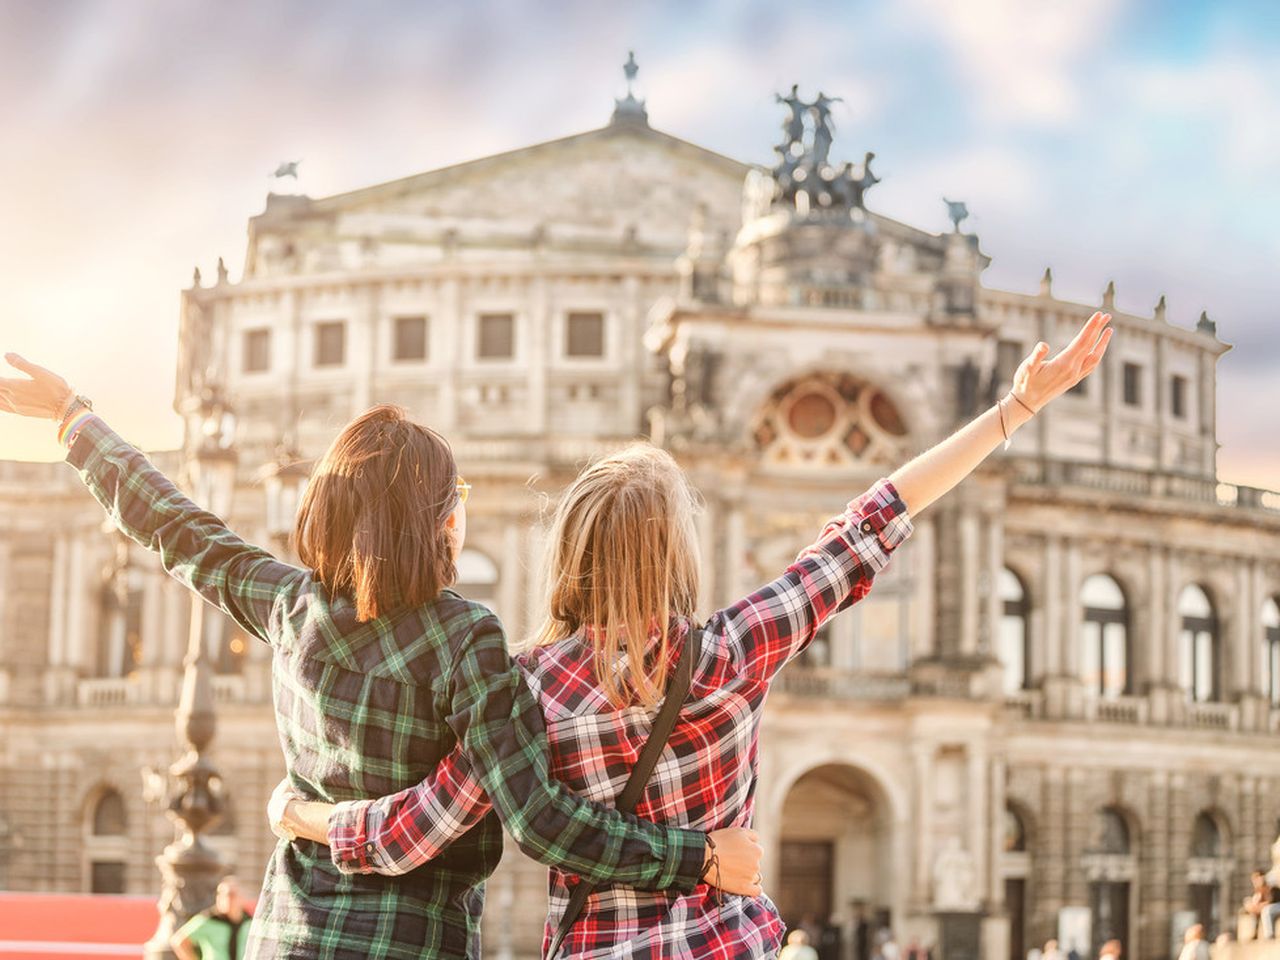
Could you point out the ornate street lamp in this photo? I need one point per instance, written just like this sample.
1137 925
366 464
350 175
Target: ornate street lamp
190 868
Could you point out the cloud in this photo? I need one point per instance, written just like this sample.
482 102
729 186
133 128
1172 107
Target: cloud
1021 58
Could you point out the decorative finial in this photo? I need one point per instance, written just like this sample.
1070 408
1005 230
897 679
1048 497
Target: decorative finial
1109 296
222 271
1046 283
195 279
1205 325
957 211
286 168
1159 312
629 109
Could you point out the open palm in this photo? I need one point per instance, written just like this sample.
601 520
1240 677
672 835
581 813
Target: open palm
1038 379
41 393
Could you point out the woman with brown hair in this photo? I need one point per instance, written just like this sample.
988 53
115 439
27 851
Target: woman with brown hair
379 671
622 583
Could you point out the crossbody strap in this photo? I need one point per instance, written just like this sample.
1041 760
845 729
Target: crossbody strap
677 693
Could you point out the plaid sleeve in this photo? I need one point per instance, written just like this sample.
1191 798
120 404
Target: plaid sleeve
396 833
195 547
500 729
775 623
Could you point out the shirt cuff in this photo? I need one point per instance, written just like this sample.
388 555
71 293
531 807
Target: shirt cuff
350 848
88 441
687 861
881 511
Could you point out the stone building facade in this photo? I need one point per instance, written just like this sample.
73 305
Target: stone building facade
1064 692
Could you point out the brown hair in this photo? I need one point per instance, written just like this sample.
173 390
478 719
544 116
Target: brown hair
372 522
622 562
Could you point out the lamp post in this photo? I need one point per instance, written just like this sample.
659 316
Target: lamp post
190 868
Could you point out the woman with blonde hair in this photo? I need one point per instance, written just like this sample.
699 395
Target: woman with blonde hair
623 579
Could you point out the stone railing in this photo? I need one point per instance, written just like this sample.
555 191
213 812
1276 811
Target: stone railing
1025 704
1142 483
834 683
1247 950
1131 710
106 692
1213 716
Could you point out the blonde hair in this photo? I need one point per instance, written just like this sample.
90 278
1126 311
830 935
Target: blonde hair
622 561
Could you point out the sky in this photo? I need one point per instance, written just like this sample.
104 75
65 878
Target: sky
1124 140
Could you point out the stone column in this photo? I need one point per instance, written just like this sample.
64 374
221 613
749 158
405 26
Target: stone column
79 645
995 828
1165 450
1052 871
970 563
979 812
1157 613
58 605
450 338
1052 641
1175 696
1077 819
924 550
993 525
365 348
510 610
1071 626
922 762
629 330
537 340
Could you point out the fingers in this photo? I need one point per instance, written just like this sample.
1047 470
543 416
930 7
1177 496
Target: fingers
23 364
1088 334
1094 356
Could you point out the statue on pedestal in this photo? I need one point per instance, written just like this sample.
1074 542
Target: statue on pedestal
955 880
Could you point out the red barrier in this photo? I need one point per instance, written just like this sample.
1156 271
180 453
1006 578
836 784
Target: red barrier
54 926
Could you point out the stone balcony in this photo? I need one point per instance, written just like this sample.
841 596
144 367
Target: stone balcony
1147 484
850 686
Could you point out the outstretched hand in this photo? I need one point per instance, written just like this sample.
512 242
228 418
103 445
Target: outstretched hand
41 393
1039 380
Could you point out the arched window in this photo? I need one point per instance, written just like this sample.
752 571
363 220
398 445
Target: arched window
1015 832
1208 873
1104 637
1206 837
1110 832
477 576
1014 636
108 815
1271 649
1200 654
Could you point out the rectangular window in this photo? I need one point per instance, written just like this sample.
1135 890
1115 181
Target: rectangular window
410 338
1132 384
257 351
496 336
1178 396
585 335
106 877
330 343
1008 356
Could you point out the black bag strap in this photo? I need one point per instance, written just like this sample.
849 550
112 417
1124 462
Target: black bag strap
677 693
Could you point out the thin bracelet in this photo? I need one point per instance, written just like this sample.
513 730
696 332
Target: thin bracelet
1018 401
1003 429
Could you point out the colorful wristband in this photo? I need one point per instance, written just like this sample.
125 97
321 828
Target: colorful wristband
67 432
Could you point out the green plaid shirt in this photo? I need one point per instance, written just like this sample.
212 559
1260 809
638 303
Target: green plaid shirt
367 709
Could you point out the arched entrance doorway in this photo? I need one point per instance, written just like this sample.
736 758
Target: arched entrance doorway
835 860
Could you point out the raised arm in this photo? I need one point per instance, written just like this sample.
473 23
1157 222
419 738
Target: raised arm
768 628
1037 381
194 546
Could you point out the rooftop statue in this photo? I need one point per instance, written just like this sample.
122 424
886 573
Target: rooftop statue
803 159
957 211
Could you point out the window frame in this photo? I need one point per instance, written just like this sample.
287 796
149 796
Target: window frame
397 325
318 329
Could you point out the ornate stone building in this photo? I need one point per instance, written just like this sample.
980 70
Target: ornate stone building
1064 693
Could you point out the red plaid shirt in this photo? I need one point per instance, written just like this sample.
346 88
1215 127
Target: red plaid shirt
705 778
